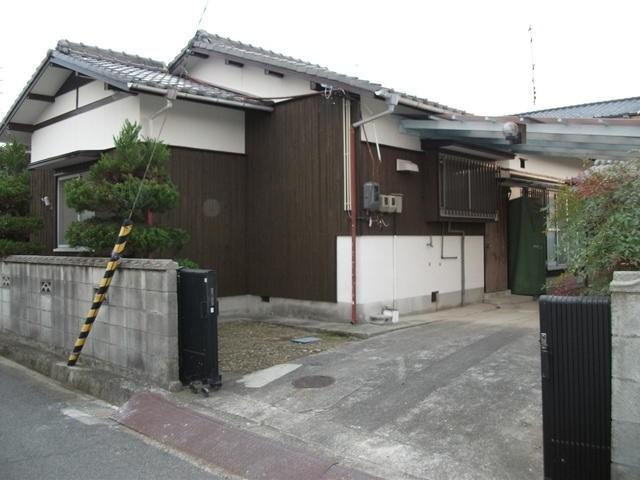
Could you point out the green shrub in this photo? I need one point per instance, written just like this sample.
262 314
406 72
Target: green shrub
110 189
599 217
15 194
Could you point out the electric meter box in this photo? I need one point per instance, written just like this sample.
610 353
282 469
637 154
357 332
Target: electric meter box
391 203
371 196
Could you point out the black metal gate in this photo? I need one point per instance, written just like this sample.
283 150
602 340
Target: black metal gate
198 326
575 343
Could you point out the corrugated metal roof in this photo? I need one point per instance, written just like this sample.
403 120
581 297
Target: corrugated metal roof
207 41
125 68
623 107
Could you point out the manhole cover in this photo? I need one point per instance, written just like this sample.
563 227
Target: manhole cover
313 381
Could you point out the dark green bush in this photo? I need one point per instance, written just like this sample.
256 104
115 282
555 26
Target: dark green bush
599 217
15 194
110 190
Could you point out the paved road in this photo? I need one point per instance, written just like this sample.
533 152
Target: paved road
47 432
458 398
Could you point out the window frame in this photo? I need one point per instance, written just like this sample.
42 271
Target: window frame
551 209
65 247
467 188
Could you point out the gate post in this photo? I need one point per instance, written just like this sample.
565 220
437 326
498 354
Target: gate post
625 375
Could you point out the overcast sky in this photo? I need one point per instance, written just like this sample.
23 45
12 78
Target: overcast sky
473 55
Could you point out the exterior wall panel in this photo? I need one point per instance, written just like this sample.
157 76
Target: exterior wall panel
212 210
294 199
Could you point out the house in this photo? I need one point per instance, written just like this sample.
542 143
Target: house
271 154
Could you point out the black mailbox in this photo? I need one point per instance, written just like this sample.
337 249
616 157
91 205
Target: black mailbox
198 327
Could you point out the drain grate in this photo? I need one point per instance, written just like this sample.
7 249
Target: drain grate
313 381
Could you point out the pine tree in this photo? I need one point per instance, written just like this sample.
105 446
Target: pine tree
109 190
15 195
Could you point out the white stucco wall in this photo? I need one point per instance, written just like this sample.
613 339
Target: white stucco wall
554 167
411 269
386 130
249 79
196 125
188 124
66 102
92 130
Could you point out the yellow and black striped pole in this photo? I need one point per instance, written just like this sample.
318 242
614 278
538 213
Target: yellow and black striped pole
98 297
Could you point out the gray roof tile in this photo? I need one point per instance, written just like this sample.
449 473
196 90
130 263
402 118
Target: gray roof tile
623 107
125 68
207 41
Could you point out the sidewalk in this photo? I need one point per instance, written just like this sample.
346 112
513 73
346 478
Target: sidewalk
368 330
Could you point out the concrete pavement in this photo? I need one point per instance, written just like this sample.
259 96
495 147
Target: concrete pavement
455 398
47 432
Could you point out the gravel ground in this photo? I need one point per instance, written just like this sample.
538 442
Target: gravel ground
246 346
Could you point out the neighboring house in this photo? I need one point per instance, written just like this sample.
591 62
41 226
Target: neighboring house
262 154
548 147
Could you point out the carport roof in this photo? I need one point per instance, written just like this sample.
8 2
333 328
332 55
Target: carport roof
580 138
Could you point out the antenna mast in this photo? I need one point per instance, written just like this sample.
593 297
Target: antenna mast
533 65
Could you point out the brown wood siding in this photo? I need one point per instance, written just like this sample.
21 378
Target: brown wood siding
43 183
295 199
495 244
420 192
212 210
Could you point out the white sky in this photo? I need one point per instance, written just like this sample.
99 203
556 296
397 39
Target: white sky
472 55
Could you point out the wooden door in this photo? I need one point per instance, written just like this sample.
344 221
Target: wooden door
495 248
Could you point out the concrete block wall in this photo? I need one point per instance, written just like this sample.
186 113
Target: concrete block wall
136 328
625 376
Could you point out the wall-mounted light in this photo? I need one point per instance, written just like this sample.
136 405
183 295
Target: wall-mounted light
46 201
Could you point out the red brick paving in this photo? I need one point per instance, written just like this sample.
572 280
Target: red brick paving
237 451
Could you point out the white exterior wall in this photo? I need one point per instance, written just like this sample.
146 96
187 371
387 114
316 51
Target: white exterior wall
249 79
92 130
411 269
188 124
546 166
196 125
67 101
386 130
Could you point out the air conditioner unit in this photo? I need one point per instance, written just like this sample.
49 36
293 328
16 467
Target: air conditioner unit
406 166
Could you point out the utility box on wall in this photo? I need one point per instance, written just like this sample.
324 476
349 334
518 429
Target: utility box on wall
371 196
391 203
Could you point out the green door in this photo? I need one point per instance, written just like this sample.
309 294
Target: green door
527 246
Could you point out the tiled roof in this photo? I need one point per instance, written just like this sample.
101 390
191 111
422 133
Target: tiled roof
122 68
207 41
623 107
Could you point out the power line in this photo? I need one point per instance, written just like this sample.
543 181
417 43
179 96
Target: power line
204 10
533 66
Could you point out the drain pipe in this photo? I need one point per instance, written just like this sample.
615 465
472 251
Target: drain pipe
170 96
392 101
462 275
410 103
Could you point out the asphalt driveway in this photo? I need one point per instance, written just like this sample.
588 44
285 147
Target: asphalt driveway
457 398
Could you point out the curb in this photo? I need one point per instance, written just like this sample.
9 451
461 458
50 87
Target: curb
97 382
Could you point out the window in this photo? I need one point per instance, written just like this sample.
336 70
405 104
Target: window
556 256
66 214
468 188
